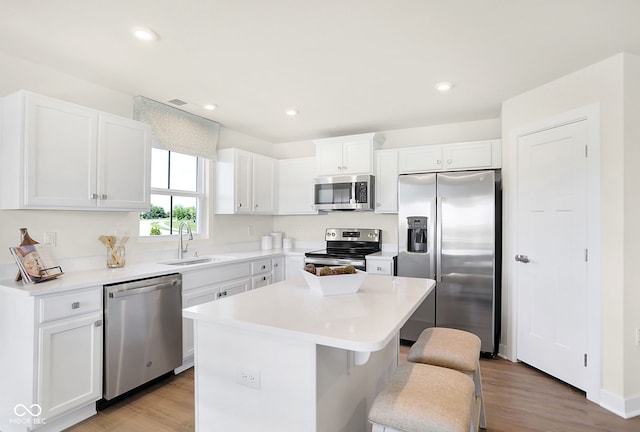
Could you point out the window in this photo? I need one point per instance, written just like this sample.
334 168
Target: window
177 193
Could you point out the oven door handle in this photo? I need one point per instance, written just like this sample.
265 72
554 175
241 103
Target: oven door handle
335 261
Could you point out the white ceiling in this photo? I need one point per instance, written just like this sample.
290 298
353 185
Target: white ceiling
349 66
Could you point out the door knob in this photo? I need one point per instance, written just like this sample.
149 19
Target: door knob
522 258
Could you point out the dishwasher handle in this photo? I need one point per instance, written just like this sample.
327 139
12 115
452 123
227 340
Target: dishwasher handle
123 292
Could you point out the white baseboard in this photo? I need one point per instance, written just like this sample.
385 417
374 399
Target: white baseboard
186 364
625 408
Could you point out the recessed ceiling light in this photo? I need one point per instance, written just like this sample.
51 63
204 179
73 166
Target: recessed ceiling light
444 86
210 107
144 33
291 112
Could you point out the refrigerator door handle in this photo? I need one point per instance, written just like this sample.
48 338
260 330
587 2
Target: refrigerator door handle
438 254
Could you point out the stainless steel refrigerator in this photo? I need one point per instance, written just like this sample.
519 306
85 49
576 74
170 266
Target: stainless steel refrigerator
449 229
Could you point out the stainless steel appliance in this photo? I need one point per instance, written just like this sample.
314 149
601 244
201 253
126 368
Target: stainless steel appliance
142 333
449 229
348 192
346 246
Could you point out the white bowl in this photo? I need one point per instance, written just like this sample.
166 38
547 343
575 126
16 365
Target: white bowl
334 284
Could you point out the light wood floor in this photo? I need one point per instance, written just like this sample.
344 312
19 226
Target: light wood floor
517 399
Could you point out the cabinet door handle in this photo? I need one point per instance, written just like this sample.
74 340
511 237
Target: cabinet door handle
379 268
239 205
75 305
103 196
94 196
449 161
438 162
98 323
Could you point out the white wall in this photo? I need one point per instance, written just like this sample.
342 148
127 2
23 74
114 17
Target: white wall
600 83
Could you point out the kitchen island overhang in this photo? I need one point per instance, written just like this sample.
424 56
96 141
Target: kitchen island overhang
282 358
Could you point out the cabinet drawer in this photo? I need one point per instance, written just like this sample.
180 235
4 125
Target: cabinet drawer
70 304
380 267
260 281
261 266
214 275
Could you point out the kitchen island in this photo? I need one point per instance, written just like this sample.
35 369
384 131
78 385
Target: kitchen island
282 358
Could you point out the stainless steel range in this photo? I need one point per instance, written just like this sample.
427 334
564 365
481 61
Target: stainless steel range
346 246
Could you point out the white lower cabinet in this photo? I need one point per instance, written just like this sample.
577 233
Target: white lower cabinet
192 298
206 285
278 269
294 263
69 364
380 265
261 273
51 359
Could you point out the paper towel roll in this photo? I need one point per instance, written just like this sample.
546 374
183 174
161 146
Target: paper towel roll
277 240
267 242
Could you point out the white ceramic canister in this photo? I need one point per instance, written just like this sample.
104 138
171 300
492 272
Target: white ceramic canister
287 243
277 240
267 242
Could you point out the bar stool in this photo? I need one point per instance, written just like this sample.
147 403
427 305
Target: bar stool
425 398
453 349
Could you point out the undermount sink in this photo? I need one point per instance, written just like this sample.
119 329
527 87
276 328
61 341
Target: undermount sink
195 260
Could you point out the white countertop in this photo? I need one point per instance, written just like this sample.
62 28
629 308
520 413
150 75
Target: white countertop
102 276
364 322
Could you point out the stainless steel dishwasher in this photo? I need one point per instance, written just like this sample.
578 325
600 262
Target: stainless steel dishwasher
142 333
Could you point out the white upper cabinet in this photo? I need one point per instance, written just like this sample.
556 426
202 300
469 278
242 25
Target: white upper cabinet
245 183
58 155
420 159
347 155
450 157
264 184
386 181
124 169
295 185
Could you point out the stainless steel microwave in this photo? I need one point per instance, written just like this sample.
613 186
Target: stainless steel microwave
345 192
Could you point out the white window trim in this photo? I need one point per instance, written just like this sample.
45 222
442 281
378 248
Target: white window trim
200 194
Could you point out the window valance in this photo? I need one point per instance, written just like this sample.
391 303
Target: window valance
176 130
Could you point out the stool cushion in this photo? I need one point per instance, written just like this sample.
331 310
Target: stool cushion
447 347
425 398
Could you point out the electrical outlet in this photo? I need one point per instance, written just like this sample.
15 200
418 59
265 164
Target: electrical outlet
638 337
250 230
51 238
249 378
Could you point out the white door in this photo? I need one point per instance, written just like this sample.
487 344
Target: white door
552 241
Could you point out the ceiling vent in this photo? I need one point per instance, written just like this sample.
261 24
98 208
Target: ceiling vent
177 102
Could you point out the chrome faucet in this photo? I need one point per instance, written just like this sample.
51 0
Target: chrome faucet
182 249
